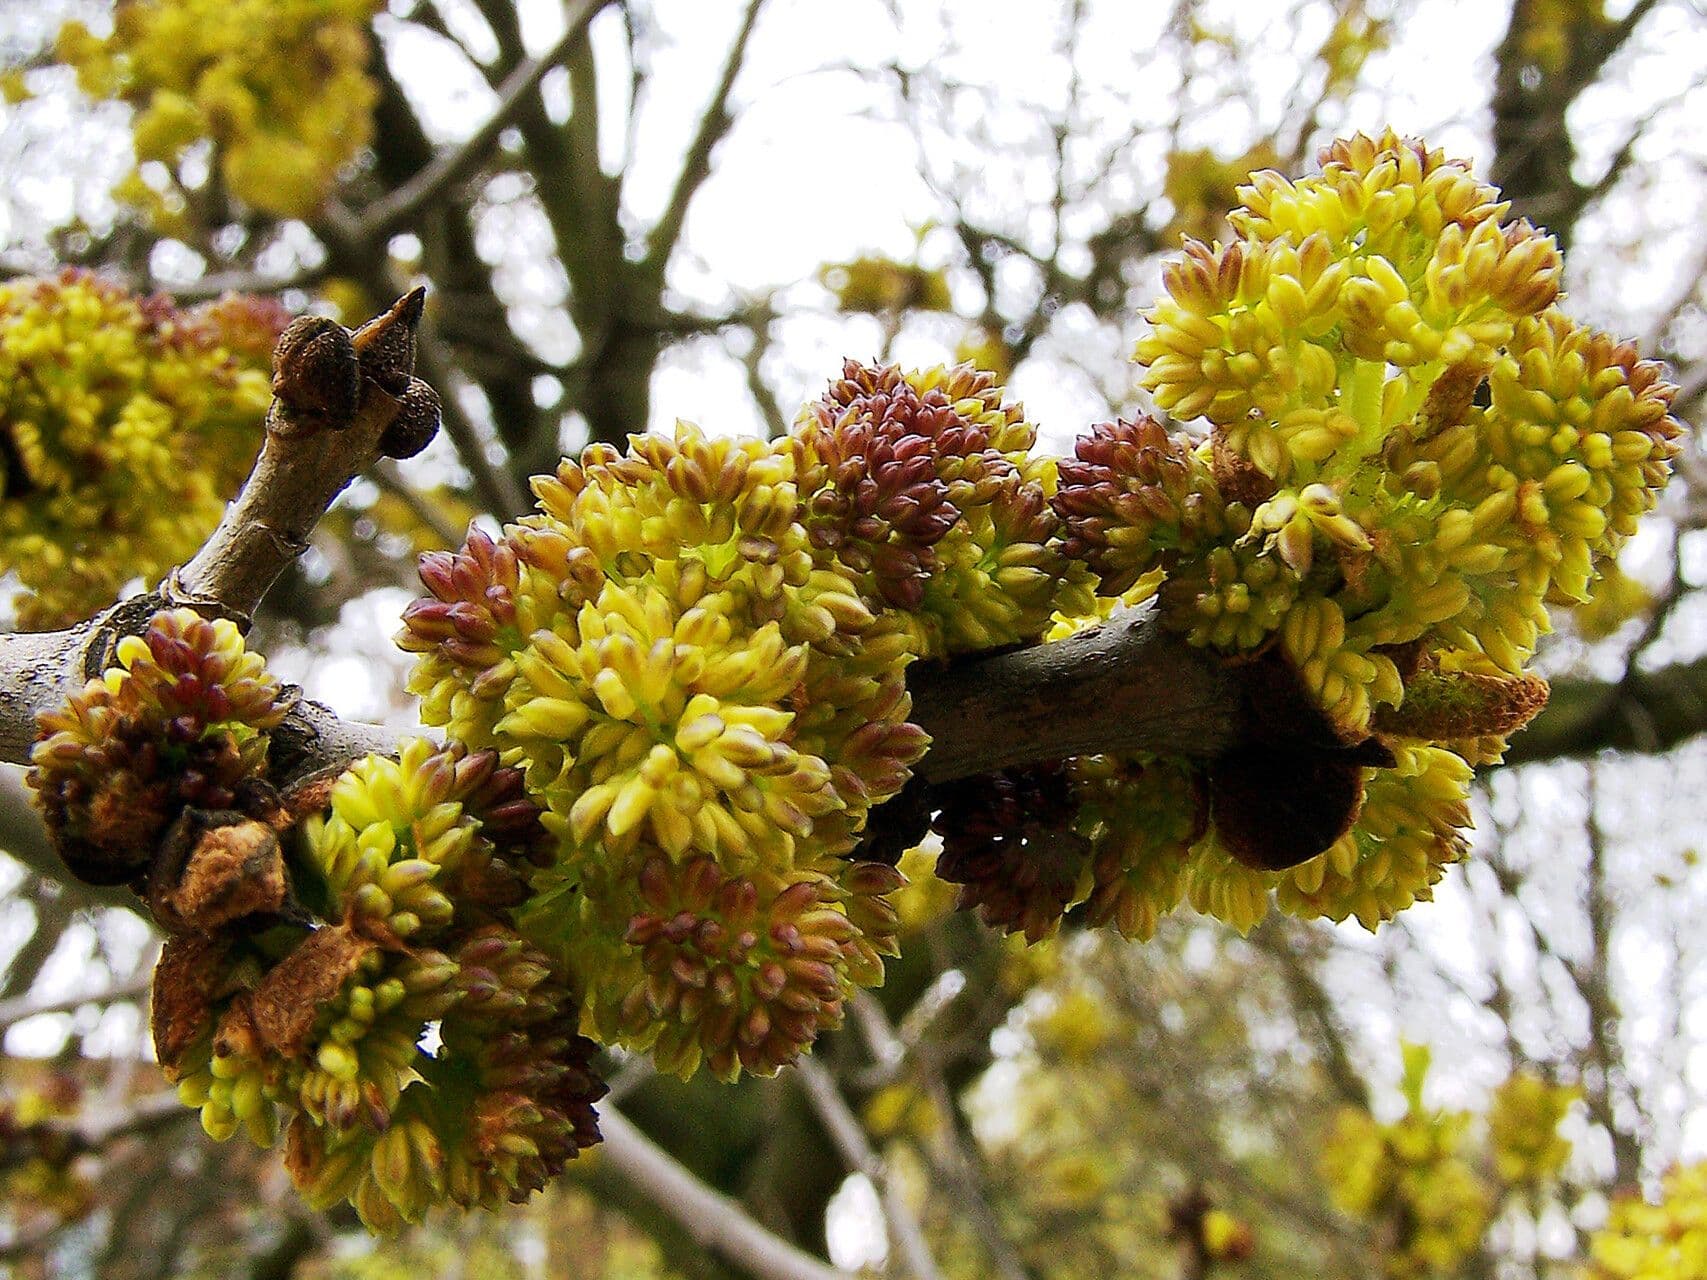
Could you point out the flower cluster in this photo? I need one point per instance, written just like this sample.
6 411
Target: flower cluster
1411 455
1415 1168
1410 445
280 89
697 649
1523 1128
180 722
39 1172
411 875
1431 1182
1664 1241
125 425
923 487
318 932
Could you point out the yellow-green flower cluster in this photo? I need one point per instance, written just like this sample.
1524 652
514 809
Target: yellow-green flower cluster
181 721
1142 820
1424 442
735 972
1411 454
490 1118
1523 1128
1430 1183
125 425
40 1172
923 486
413 870
1664 1241
1412 1179
1410 830
278 87
694 689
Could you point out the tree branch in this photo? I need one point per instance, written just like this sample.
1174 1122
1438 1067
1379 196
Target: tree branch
696 164
394 210
1646 711
1125 686
713 1220
21 1008
848 1135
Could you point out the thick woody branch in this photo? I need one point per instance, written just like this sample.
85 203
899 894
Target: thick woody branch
1126 686
456 165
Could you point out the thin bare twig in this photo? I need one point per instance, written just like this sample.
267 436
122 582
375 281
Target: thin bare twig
714 1221
390 479
397 207
849 1136
17 1010
714 123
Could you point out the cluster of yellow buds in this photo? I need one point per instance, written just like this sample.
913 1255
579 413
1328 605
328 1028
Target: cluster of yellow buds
1431 1182
697 652
40 1172
281 91
125 425
318 930
1412 1179
1523 1128
1411 454
181 721
1664 1241
413 871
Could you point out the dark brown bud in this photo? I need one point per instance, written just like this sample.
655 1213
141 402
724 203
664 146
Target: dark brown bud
316 377
1274 808
1293 786
416 423
386 344
1451 397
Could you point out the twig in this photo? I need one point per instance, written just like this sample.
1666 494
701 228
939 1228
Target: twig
294 481
952 1162
17 1010
1127 685
714 123
848 1135
93 1130
397 207
391 480
714 1221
